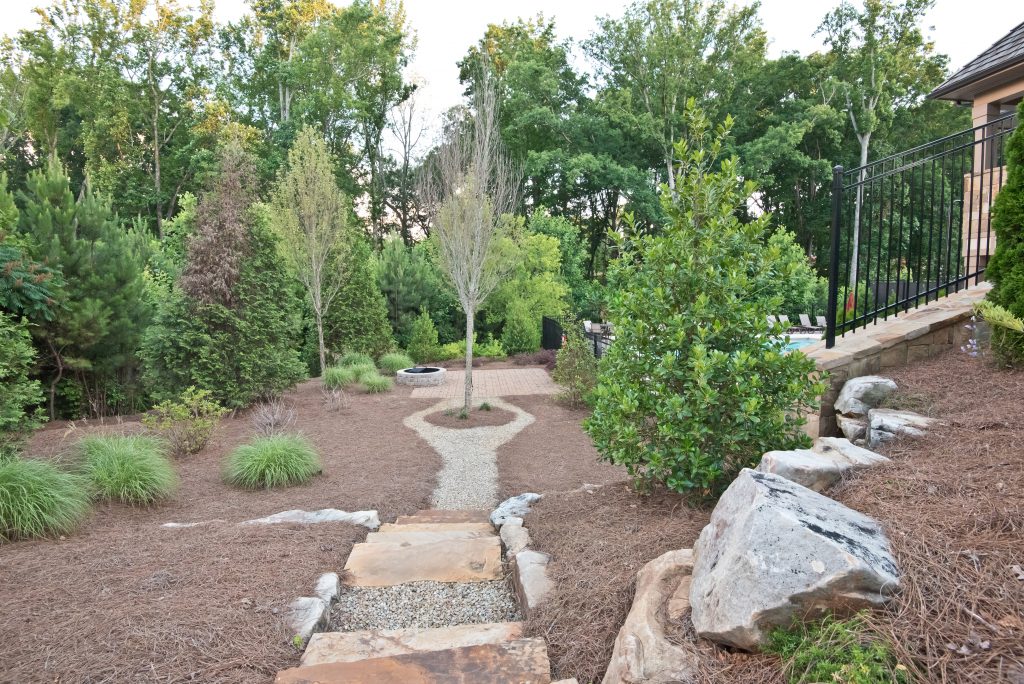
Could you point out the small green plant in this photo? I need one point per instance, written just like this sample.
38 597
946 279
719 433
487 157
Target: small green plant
485 406
1007 332
575 368
297 642
394 362
185 424
131 469
423 344
831 650
37 499
490 348
337 377
355 359
463 414
375 384
268 462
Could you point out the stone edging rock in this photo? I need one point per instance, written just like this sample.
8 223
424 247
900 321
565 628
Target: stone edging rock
528 567
307 614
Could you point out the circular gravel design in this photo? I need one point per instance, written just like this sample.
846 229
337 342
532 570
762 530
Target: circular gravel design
424 605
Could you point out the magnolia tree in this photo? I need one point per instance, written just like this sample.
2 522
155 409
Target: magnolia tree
470 184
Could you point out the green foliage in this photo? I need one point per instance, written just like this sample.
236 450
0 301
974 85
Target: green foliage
358 319
37 499
585 295
575 368
362 371
355 359
533 283
423 343
411 282
1006 268
268 462
131 469
490 348
336 377
696 385
376 384
27 287
803 291
833 650
21 393
394 362
522 330
1007 332
187 423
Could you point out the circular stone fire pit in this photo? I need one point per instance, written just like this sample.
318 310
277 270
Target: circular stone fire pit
421 376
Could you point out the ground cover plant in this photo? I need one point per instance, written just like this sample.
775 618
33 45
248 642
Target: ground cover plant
131 469
186 424
276 461
38 499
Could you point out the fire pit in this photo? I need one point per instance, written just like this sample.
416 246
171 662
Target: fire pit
421 376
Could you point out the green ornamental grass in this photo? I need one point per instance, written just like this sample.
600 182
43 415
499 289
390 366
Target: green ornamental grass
37 499
268 462
356 359
337 377
364 371
377 383
395 361
132 469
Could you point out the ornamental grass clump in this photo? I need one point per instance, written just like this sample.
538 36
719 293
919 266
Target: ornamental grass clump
131 469
356 359
337 377
376 384
268 462
37 499
697 384
394 362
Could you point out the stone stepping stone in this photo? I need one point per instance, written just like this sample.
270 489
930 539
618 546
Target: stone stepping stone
443 516
522 661
388 528
453 560
346 647
420 537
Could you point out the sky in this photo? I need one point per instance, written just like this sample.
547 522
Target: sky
446 28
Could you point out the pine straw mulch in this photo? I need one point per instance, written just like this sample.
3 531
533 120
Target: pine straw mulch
952 503
124 600
598 542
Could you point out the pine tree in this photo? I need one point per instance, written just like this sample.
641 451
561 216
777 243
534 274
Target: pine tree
358 320
423 343
1006 269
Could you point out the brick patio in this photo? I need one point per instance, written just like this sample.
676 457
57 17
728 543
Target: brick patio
505 382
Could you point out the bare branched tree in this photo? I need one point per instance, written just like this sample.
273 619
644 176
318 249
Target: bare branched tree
470 183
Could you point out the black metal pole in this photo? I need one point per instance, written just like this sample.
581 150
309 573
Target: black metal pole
833 264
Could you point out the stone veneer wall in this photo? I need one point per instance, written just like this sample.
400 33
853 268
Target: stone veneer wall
895 342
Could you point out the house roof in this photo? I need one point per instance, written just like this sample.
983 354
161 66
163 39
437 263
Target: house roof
1000 64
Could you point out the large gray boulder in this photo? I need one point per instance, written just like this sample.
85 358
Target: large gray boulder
821 466
860 395
857 457
651 647
885 425
775 551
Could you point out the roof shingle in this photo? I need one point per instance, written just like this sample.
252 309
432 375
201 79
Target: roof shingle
1005 52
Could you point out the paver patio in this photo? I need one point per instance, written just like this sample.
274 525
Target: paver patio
504 382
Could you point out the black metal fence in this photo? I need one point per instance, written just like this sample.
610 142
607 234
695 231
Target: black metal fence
550 333
914 226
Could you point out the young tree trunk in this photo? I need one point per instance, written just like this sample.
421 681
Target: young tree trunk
320 340
865 140
468 399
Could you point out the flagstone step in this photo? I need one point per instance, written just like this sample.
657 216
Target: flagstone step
419 537
522 661
452 560
434 515
486 528
345 647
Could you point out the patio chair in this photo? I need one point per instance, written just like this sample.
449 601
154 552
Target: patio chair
784 320
805 321
588 326
822 321
771 320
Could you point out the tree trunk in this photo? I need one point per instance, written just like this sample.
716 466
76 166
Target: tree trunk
468 399
320 340
865 140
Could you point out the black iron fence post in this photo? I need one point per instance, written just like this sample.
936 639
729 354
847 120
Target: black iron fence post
833 263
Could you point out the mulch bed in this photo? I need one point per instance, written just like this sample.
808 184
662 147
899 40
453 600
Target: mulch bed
478 417
123 599
953 508
553 454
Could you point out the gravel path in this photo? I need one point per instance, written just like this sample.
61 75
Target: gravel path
469 475
424 605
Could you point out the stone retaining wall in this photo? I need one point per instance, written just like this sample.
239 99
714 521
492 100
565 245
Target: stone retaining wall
898 341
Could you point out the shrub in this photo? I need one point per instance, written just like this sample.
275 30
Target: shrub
375 384
575 368
491 348
268 462
20 392
394 362
1007 332
272 417
521 334
187 424
337 377
695 387
423 345
832 650
1006 268
37 499
130 469
355 359
358 317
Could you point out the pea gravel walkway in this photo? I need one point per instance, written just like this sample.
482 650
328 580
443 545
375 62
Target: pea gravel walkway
503 382
469 474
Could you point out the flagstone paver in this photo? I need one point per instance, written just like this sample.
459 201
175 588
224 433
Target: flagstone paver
503 382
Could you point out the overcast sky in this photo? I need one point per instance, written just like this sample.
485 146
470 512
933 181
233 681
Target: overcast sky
446 28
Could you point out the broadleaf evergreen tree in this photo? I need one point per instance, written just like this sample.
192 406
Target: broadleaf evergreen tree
1006 268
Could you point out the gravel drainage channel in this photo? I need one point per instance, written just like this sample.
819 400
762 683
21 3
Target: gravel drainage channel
424 605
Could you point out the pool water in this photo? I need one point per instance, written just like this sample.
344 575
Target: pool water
799 342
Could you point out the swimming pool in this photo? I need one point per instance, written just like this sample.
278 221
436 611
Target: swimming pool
798 342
